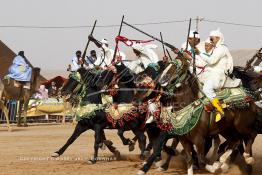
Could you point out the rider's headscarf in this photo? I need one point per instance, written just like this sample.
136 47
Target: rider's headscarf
218 33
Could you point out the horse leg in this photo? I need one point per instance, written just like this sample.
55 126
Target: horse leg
6 112
131 147
125 141
152 132
157 147
248 152
248 149
142 142
98 130
165 166
217 142
200 145
109 145
188 150
79 129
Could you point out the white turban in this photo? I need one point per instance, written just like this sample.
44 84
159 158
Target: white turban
141 47
138 47
208 41
193 34
104 41
217 33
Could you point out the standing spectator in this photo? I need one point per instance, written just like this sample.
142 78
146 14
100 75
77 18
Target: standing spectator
52 91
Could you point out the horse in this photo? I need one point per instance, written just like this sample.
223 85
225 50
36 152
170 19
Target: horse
73 86
19 93
186 90
99 121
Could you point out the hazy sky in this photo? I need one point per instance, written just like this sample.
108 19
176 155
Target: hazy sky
52 49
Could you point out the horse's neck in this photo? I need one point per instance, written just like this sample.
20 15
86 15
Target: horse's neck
93 95
125 94
186 94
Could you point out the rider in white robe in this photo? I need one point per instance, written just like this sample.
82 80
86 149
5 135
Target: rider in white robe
219 65
105 59
145 56
193 41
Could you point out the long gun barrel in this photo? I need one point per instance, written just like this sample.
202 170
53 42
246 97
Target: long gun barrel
119 33
249 62
88 41
153 37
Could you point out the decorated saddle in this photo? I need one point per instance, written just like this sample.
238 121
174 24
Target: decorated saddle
87 110
183 121
118 114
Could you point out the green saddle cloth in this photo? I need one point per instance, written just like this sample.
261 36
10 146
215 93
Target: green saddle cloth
184 120
87 110
230 95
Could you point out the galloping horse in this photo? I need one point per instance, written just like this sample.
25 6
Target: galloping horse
99 120
186 90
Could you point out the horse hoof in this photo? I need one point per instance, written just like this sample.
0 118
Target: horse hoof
160 169
210 168
224 167
117 155
10 129
91 162
159 163
225 156
108 142
144 163
146 153
140 172
216 165
102 146
250 160
55 154
142 157
131 147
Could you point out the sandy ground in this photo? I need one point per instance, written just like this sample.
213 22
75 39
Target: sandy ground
26 151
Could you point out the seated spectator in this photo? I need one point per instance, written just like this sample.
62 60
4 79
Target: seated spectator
42 93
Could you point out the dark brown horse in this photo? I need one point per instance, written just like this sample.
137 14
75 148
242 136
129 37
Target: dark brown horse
15 91
186 91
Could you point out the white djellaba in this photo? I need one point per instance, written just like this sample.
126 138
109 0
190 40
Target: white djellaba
147 56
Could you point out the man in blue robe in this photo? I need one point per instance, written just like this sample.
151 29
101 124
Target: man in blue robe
20 70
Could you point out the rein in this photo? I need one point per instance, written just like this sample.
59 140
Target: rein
178 81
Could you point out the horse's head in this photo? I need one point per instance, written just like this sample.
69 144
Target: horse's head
75 81
146 81
173 71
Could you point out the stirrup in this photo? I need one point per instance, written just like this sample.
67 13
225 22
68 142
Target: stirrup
218 117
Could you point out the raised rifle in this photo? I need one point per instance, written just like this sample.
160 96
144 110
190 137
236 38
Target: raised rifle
257 55
164 50
155 38
119 33
88 41
188 33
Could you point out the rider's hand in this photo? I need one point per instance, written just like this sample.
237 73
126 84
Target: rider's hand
197 51
165 58
187 56
176 50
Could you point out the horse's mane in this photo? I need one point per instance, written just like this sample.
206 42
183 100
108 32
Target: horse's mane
193 83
